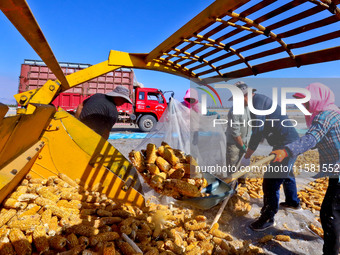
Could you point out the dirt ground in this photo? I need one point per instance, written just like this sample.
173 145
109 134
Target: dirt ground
288 222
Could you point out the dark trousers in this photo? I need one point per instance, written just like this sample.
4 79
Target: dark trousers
330 218
271 188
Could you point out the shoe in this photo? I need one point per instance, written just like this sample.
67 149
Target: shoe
262 224
294 207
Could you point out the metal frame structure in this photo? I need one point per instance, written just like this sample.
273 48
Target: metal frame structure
207 46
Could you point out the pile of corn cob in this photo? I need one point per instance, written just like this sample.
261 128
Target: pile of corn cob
307 160
251 188
56 216
239 205
169 171
312 197
317 230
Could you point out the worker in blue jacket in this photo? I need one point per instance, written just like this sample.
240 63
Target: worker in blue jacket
270 127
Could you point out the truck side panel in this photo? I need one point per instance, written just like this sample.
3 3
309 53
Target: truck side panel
34 74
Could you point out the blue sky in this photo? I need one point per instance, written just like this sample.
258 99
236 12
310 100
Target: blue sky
85 31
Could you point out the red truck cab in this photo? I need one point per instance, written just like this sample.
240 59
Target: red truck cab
150 105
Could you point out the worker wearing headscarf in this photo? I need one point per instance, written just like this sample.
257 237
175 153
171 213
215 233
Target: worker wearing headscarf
324 133
191 100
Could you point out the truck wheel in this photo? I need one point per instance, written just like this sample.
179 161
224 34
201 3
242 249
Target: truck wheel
146 123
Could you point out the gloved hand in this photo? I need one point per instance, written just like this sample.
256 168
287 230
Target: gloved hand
245 162
279 155
244 148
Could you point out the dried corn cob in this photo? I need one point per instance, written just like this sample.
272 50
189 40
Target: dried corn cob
218 233
194 225
73 204
177 238
57 242
50 181
137 160
61 212
109 248
24 182
150 153
176 173
125 248
54 227
26 223
19 191
5 216
151 251
158 180
206 246
104 213
88 211
11 203
67 179
316 230
153 168
44 202
85 205
27 197
72 241
201 235
184 188
266 238
61 184
46 217
74 219
83 240
110 220
170 156
45 193
37 181
4 231
19 241
173 247
33 210
160 151
40 239
163 164
282 238
103 237
83 230
193 250
105 229
185 166
6 247
71 196
91 199
32 187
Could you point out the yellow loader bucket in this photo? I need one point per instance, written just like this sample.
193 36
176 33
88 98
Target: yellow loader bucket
47 143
